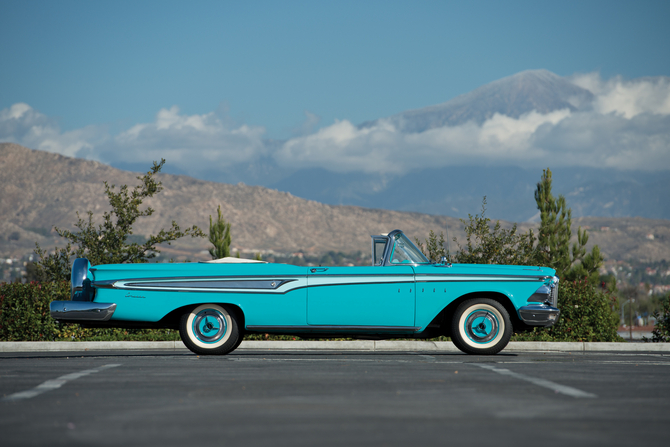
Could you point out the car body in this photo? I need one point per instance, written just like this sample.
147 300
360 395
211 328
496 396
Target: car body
401 295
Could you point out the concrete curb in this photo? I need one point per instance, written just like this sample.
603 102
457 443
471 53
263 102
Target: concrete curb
356 345
77 346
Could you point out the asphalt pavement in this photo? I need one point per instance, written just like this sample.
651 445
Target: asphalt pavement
254 398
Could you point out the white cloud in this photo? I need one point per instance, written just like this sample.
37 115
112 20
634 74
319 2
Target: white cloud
24 125
627 98
192 142
626 127
382 148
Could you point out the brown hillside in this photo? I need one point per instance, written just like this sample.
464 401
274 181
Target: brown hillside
42 190
39 190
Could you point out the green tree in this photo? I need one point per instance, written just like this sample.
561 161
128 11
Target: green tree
661 332
33 272
487 244
108 242
553 241
219 236
433 247
586 309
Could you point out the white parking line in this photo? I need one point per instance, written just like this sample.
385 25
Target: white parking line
345 360
55 383
558 388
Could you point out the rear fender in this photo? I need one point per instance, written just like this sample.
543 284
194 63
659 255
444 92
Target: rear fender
80 281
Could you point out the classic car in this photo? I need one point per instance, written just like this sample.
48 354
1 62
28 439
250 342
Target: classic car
401 295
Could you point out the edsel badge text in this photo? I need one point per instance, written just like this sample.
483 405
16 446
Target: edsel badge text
128 295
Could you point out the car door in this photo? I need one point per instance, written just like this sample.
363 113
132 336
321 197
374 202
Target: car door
361 296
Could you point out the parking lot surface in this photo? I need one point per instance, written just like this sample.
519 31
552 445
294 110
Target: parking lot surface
333 398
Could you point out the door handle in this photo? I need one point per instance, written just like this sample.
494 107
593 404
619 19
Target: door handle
320 269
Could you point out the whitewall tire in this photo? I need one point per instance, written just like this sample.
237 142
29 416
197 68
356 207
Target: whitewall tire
210 329
481 326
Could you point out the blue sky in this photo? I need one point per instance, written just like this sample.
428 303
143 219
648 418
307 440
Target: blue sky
256 90
117 63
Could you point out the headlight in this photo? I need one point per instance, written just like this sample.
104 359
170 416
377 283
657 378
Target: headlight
541 295
547 293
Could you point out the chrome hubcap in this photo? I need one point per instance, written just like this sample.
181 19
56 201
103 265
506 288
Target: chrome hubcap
481 326
209 326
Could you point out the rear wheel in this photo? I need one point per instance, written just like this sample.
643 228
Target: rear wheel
481 326
210 329
239 341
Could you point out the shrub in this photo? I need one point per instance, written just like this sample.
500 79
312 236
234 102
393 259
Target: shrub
25 316
586 315
113 241
494 245
661 332
433 247
24 310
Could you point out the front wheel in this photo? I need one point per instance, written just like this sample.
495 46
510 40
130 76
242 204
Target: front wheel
209 329
481 326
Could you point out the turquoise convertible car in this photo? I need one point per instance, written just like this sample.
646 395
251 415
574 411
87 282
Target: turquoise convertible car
401 295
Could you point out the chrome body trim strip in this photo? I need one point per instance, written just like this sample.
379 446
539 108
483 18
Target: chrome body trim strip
209 284
270 284
237 285
451 277
81 310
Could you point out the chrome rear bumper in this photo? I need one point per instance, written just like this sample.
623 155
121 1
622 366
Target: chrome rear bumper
81 311
539 315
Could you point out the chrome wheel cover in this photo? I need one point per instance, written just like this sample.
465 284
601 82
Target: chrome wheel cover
209 326
481 326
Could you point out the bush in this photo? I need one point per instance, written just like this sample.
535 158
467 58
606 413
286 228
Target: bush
24 310
112 241
25 316
486 245
586 315
661 332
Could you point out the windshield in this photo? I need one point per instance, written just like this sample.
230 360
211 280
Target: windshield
405 252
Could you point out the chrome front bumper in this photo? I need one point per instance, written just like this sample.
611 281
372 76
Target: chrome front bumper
539 314
81 311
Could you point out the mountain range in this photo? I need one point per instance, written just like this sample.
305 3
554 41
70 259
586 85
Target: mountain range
458 190
39 190
531 90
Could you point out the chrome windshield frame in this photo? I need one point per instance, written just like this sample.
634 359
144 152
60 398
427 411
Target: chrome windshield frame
390 246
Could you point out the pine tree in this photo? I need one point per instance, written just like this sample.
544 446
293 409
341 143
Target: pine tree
553 246
219 236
